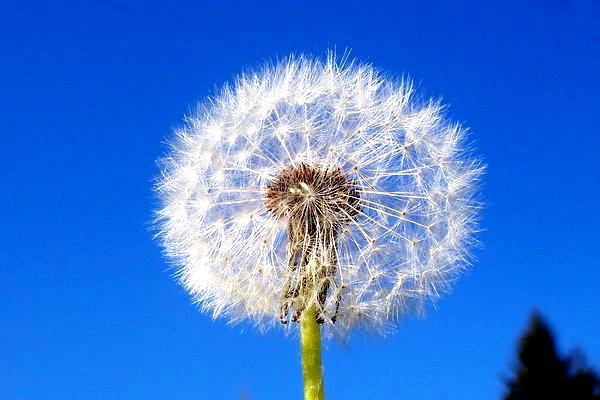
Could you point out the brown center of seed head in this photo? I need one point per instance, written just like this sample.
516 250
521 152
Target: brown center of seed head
313 194
316 202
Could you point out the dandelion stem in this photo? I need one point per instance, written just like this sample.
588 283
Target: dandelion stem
312 368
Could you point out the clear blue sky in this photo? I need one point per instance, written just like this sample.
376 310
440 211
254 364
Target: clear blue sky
89 91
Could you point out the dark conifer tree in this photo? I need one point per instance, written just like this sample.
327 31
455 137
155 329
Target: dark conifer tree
542 374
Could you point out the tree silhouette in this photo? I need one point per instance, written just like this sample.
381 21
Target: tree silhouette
542 374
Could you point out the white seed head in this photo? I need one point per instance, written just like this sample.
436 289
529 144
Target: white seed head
318 183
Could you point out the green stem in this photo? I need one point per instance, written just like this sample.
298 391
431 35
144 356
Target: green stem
312 368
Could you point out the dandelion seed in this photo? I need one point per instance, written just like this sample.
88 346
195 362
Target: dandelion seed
341 173
317 190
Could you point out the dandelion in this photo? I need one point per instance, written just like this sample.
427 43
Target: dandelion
319 193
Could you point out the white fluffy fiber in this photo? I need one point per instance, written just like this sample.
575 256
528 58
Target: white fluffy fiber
417 184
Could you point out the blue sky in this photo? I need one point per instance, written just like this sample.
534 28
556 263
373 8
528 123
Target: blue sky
90 90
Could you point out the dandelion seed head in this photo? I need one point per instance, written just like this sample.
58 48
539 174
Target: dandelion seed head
318 183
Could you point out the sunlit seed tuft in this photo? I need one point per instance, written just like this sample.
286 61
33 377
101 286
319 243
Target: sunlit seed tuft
314 182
